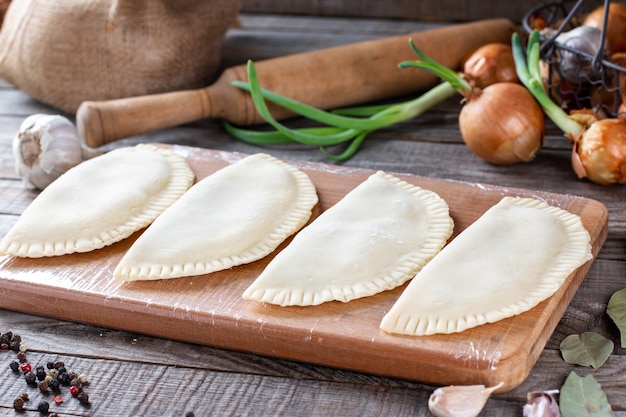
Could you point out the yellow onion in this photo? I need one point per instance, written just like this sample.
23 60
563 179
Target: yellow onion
616 25
503 124
490 64
600 152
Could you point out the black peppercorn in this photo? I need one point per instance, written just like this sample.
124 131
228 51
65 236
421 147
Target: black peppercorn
82 397
43 407
15 367
21 356
50 365
43 386
59 364
64 379
6 337
31 378
54 385
18 404
40 372
14 346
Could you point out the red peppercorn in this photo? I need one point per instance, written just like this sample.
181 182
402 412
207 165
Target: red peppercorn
26 367
74 391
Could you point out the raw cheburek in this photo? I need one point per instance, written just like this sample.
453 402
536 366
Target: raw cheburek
374 239
238 214
517 254
99 202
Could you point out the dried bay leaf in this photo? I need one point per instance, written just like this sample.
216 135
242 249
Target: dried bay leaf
583 397
586 349
616 309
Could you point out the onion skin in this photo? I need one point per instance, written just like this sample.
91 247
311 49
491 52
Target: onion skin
621 112
503 124
490 64
600 154
616 25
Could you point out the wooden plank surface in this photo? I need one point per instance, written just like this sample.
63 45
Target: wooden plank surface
446 10
209 309
134 374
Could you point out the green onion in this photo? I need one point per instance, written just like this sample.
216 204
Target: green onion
349 125
529 73
362 111
454 79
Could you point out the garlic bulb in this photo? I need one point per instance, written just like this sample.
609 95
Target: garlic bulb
577 67
542 404
45 147
459 401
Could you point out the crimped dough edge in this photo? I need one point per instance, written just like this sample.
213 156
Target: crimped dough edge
181 178
298 216
576 254
441 228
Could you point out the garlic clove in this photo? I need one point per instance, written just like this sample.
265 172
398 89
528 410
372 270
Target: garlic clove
460 400
45 147
542 404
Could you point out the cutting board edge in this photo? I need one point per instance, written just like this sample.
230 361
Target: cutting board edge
285 349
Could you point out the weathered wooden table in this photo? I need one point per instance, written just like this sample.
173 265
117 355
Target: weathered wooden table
137 375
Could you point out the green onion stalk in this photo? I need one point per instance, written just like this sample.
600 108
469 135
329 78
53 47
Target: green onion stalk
529 73
342 126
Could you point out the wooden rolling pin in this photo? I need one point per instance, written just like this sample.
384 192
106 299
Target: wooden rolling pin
327 78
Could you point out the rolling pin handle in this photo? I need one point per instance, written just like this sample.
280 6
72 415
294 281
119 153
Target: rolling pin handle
102 122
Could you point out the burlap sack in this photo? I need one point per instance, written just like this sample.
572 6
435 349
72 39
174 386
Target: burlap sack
64 52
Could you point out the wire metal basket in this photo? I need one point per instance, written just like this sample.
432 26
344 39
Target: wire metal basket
599 79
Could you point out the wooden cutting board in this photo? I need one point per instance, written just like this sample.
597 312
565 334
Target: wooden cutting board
209 309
